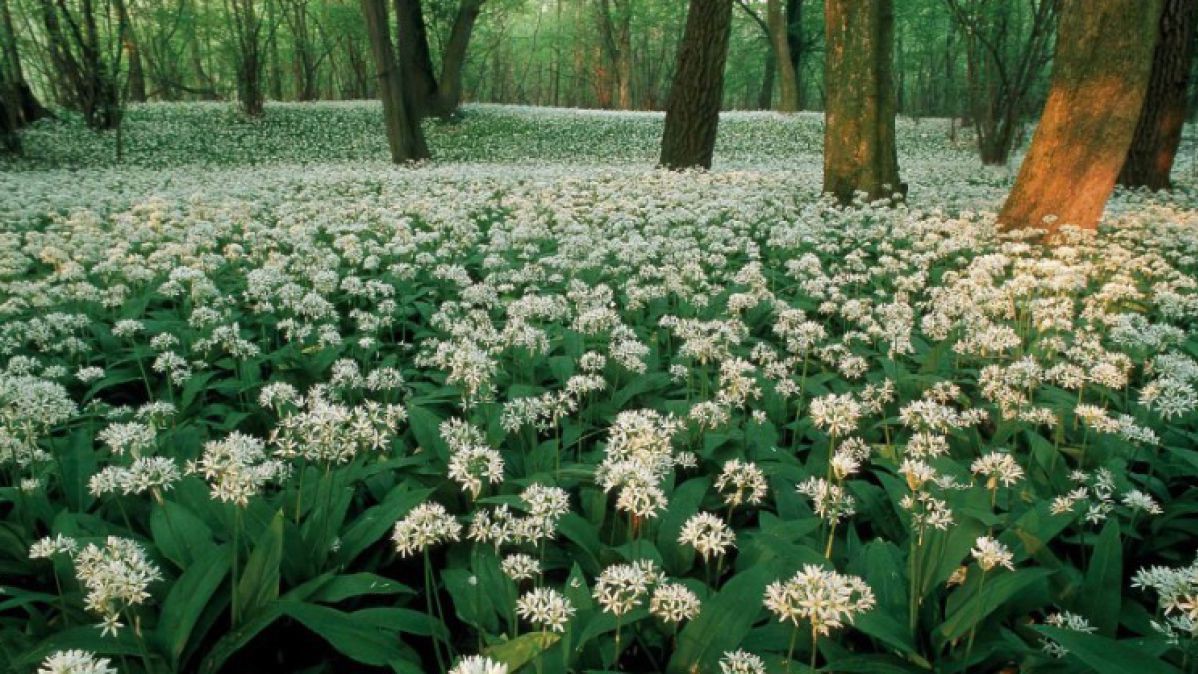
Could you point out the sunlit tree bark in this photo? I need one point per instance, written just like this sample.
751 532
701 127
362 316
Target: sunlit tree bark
1100 76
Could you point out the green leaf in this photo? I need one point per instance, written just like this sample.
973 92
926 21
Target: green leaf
77 459
426 426
238 637
188 597
84 637
376 521
259 584
684 502
724 620
179 535
362 641
1101 596
998 588
516 653
1104 655
348 586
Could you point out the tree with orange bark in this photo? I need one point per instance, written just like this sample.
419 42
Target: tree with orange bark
1099 80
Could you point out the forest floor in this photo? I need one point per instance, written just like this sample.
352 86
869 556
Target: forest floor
263 332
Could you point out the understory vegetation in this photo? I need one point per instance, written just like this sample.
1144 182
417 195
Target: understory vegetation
269 403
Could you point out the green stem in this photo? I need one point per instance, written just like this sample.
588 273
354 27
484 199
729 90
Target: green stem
428 600
981 612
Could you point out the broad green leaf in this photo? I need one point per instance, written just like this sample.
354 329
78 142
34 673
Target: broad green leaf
999 587
359 640
187 598
724 620
259 583
179 535
684 502
376 521
83 637
1104 655
1102 590
343 587
515 653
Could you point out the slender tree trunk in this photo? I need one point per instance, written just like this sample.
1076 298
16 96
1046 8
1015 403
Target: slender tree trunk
449 90
1158 131
859 147
1100 76
788 99
20 101
693 111
624 56
415 58
765 97
794 45
404 136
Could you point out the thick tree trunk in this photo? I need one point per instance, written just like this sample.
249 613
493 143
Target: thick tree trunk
693 111
788 98
859 148
404 136
1100 75
1158 131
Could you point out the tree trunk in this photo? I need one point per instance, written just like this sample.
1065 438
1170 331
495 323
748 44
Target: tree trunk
794 44
404 136
1158 131
788 98
1100 76
624 59
859 148
693 111
765 97
414 57
449 90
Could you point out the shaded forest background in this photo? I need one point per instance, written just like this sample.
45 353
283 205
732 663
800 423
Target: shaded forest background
616 54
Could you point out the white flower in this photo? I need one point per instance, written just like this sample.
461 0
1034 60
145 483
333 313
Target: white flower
825 599
428 524
75 662
741 662
674 602
545 608
478 664
989 553
709 535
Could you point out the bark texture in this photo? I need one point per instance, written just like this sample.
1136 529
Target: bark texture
404 136
1158 131
693 111
427 94
788 100
1100 76
859 148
